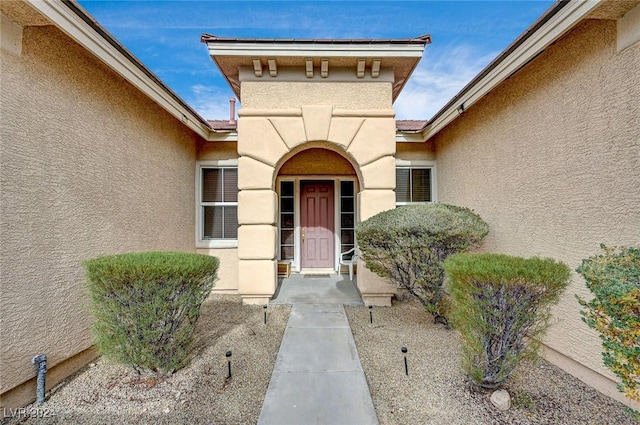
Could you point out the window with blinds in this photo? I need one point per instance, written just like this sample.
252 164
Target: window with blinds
219 203
413 185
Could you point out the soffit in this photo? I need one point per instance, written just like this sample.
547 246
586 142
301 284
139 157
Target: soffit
316 58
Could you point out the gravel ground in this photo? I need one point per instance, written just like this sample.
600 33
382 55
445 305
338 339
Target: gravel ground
104 393
435 391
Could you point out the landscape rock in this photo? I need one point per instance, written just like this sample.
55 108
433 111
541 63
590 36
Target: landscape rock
501 399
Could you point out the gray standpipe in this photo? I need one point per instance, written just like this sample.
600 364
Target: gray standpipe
41 365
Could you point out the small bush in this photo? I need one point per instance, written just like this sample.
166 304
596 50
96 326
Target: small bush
500 304
614 280
145 306
407 245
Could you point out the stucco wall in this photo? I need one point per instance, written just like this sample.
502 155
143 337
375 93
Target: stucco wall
89 166
280 119
416 151
551 160
217 150
292 94
227 282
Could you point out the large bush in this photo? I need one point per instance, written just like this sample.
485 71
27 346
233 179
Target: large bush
145 306
500 305
614 280
407 245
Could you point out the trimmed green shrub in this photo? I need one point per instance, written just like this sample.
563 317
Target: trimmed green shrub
406 245
500 305
145 306
614 280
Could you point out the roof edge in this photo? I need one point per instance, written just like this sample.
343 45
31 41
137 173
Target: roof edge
550 26
78 24
209 38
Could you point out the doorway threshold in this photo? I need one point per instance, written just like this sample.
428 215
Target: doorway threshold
318 272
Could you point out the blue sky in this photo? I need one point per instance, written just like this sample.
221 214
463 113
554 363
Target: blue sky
467 35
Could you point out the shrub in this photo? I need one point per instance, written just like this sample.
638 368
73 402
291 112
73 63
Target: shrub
145 306
614 280
500 304
407 245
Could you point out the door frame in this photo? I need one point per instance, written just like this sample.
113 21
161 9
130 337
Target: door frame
331 222
296 263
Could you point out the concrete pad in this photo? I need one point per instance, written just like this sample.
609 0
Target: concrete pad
335 289
318 399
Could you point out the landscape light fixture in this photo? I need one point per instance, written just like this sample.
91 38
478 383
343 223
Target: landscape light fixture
406 366
264 307
371 314
228 356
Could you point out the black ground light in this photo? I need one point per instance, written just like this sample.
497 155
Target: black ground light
264 307
228 356
371 314
406 366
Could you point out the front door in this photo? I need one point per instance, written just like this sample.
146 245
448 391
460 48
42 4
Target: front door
317 224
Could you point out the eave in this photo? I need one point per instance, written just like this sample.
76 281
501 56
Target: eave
552 25
74 21
316 58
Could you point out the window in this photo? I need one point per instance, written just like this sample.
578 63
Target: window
217 206
347 216
413 185
287 220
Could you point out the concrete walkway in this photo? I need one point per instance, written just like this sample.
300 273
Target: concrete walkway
318 378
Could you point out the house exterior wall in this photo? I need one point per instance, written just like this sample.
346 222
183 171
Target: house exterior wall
416 151
228 272
293 94
281 119
89 166
551 160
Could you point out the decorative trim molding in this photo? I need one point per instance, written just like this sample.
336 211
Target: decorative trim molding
297 112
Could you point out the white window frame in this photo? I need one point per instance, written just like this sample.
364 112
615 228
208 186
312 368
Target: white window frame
420 164
200 241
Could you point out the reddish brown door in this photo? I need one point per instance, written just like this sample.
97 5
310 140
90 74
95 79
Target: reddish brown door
316 222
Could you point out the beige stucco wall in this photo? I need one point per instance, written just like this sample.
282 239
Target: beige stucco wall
227 282
416 151
551 160
292 94
280 120
89 166
217 151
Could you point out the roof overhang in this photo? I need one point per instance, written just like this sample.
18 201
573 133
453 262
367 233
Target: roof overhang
78 24
316 59
553 24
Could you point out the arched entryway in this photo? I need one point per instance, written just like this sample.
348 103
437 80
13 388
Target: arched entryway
317 210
